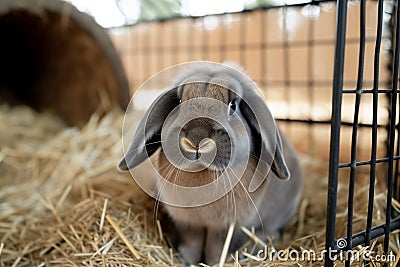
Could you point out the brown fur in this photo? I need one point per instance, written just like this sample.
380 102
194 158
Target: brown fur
218 213
195 90
205 227
263 199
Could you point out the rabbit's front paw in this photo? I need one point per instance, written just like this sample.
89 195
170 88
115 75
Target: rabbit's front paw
191 253
191 243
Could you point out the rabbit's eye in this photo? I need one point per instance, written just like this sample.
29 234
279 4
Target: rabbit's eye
232 107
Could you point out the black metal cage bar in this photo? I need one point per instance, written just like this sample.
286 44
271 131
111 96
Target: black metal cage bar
341 18
392 159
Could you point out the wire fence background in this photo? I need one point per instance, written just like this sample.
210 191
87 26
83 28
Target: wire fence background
287 51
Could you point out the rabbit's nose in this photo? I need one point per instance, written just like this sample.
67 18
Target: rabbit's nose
188 145
206 146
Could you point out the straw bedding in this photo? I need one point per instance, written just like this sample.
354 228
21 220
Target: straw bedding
63 203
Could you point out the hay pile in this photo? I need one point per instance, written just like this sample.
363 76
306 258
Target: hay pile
62 202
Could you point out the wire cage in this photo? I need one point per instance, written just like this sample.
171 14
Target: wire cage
292 52
390 91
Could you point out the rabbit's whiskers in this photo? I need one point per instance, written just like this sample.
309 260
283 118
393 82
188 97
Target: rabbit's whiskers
249 199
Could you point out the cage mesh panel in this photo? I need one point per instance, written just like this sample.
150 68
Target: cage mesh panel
378 166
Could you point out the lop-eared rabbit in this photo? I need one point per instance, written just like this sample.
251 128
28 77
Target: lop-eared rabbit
264 194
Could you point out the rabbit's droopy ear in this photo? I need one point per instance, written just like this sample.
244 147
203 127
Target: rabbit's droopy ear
265 136
147 138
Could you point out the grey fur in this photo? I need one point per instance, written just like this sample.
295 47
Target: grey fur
265 201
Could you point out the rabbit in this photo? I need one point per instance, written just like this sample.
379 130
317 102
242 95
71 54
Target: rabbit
262 199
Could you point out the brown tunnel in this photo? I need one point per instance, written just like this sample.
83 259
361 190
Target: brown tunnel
55 58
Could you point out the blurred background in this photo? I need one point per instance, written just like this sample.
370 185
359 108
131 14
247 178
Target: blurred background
287 47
